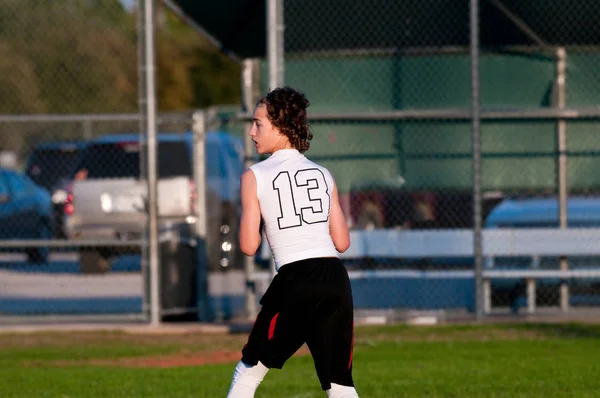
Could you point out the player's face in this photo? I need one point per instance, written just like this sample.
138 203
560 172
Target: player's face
265 136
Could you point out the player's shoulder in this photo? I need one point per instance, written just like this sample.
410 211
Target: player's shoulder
248 176
262 169
258 166
248 171
314 165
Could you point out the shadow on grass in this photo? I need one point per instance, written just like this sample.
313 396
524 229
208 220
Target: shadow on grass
560 330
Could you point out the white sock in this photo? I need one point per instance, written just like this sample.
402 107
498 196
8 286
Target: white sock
246 379
339 391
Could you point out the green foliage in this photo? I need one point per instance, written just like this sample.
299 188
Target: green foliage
191 72
80 56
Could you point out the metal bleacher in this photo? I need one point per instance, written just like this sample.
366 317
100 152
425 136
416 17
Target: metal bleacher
458 243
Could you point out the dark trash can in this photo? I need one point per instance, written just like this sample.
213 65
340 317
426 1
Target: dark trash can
183 276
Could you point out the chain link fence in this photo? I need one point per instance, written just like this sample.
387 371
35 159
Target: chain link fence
73 186
541 58
390 90
390 86
91 196
62 58
365 68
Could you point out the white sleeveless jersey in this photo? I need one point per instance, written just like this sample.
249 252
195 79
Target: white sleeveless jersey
295 198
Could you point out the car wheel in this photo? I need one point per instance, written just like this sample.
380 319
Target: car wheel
38 255
93 262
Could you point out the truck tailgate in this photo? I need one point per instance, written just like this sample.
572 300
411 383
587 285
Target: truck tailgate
112 200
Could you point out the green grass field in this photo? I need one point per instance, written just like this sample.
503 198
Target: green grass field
552 360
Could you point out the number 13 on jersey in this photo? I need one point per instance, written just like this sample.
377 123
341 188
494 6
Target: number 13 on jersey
303 198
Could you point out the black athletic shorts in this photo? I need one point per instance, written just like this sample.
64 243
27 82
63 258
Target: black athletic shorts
308 301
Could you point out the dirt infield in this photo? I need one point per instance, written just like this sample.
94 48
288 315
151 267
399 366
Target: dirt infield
162 361
171 347
185 346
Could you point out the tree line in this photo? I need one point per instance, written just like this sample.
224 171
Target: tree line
81 56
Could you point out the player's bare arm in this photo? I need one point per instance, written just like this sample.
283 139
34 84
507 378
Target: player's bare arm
337 224
250 223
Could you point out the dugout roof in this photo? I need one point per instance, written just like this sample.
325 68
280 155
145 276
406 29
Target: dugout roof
239 26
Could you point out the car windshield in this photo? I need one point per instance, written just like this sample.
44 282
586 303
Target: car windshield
122 160
46 167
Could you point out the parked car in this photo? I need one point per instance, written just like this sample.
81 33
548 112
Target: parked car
582 212
107 198
51 165
25 212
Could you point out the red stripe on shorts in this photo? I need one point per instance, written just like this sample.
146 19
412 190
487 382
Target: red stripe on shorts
272 326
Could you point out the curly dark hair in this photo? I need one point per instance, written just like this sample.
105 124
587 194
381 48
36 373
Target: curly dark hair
286 110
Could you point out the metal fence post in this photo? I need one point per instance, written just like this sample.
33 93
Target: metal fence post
250 94
275 43
475 120
150 106
87 129
140 60
200 127
561 140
